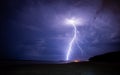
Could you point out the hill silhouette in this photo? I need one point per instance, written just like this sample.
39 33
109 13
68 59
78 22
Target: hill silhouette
107 57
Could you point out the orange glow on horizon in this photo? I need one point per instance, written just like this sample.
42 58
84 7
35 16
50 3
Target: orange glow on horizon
76 61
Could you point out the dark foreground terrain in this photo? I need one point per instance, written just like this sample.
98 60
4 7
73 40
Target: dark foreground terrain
82 68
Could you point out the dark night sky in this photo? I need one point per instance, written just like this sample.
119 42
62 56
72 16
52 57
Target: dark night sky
34 29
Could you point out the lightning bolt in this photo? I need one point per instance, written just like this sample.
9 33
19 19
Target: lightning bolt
71 42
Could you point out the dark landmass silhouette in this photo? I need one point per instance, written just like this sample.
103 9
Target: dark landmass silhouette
107 57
